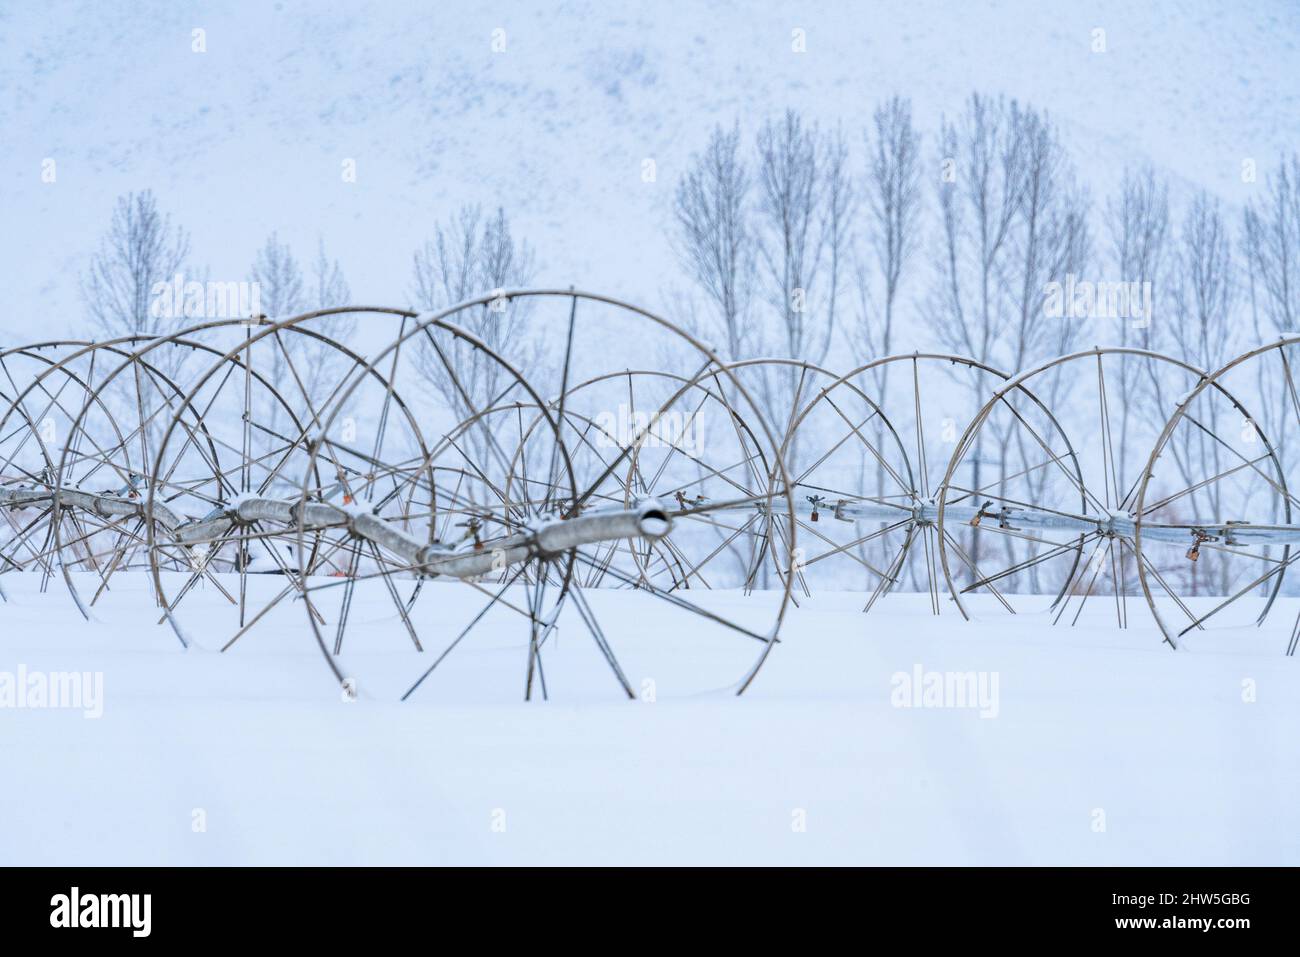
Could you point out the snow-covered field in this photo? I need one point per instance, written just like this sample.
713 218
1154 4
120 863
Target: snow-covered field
898 737
1089 746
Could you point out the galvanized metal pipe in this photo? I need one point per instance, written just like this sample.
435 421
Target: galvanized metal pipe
1015 518
104 505
647 520
594 527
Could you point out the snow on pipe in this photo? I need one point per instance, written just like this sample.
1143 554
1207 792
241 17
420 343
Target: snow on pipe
647 520
104 505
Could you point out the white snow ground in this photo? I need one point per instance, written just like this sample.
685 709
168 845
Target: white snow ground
1090 721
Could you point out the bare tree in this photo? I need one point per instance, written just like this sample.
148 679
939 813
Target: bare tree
329 288
1271 236
1051 239
129 291
1272 228
472 255
1202 333
785 235
279 283
715 240
1049 242
980 193
839 208
793 186
140 250
298 362
1012 219
981 189
893 200
802 214
279 279
1203 288
894 205
1139 230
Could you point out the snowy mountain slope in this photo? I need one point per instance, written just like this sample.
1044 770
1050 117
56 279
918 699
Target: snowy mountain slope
249 137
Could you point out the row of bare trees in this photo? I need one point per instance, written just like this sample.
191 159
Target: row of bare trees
142 249
794 249
797 245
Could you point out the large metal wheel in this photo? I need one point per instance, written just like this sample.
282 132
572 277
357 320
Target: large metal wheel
500 468
35 416
1215 512
109 456
873 445
641 434
1052 523
234 456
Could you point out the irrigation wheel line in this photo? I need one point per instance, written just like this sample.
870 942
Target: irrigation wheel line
26 466
99 529
796 511
212 459
111 523
869 482
148 397
1065 523
221 506
700 451
490 515
786 385
73 524
1232 510
554 529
